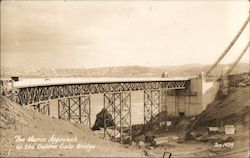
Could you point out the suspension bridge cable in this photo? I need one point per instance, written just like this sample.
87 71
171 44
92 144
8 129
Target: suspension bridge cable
238 59
229 46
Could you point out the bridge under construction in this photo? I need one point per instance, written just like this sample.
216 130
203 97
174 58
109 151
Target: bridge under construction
74 98
178 96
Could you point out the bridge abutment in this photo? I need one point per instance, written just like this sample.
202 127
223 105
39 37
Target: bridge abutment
192 100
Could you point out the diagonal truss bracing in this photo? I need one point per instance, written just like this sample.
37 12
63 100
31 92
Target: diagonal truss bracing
31 95
42 107
75 109
152 105
118 105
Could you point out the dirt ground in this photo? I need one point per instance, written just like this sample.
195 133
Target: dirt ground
234 109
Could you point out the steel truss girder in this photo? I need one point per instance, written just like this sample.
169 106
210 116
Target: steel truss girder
118 104
31 95
152 105
75 109
42 107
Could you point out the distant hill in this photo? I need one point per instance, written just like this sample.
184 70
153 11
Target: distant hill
122 71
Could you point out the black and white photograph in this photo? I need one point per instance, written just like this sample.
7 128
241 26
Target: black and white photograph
125 78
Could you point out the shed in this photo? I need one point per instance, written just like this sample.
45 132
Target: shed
229 129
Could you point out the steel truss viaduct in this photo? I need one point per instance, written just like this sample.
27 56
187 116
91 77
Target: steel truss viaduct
74 101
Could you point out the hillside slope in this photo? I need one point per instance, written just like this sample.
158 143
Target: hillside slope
25 122
234 109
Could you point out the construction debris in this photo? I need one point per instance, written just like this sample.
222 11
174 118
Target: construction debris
141 144
147 152
160 140
167 154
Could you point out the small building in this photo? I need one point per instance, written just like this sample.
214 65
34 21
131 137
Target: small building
229 129
213 130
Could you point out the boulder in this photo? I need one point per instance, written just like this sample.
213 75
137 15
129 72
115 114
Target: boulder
100 117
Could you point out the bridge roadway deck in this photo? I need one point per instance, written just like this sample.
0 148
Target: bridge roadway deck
36 82
30 91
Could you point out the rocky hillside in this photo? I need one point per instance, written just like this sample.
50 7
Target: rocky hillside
233 109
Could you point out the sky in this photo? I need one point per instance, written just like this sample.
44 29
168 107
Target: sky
87 34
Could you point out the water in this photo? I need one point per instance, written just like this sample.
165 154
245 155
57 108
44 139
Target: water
137 107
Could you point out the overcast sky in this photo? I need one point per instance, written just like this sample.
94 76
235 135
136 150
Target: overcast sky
98 33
